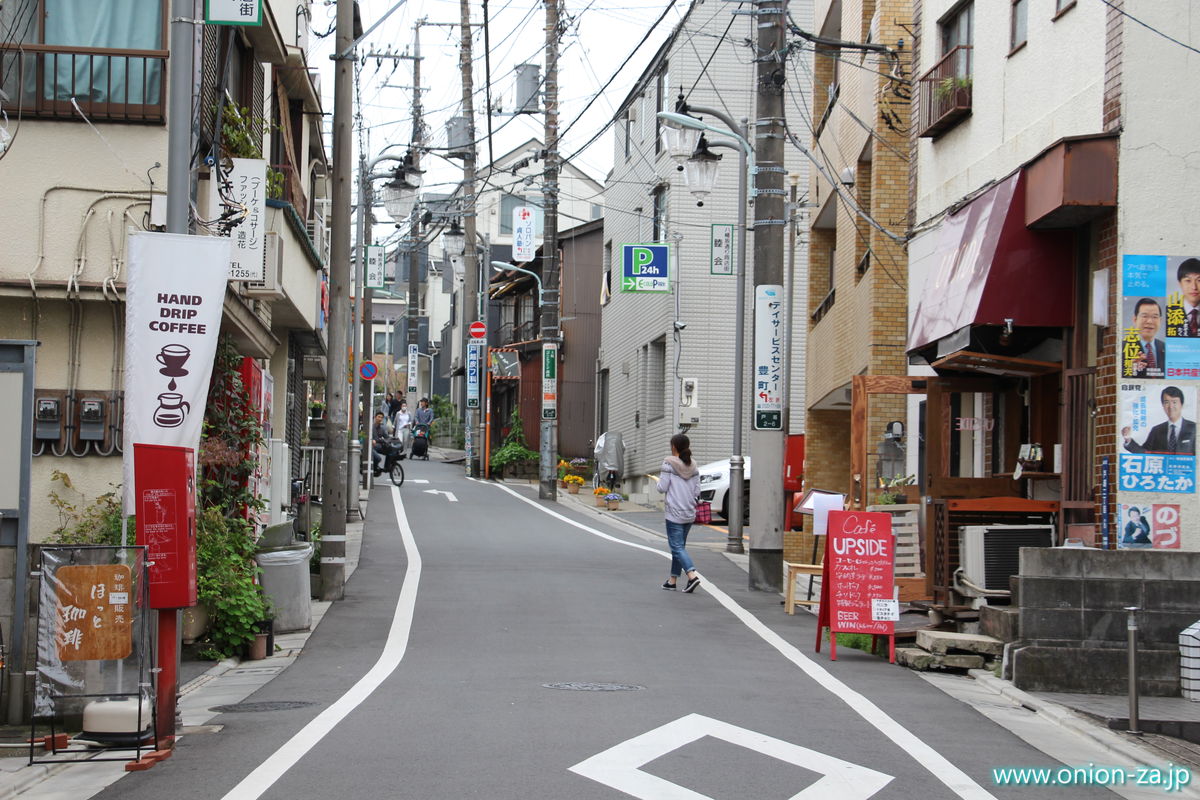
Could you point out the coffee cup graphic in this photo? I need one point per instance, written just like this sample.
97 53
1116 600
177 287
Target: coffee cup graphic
173 357
172 410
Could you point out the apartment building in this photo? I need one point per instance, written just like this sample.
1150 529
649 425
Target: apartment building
659 347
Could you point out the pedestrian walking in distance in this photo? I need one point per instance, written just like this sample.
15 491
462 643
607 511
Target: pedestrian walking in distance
679 480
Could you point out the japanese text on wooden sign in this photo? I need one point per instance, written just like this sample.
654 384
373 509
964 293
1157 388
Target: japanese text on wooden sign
95 612
859 561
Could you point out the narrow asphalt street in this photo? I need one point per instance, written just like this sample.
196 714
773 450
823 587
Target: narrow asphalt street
488 648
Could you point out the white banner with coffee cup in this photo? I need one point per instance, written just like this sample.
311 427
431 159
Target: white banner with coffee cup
173 300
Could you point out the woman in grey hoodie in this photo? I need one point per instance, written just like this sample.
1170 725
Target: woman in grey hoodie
679 480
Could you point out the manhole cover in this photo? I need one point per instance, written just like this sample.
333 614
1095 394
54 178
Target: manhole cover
271 705
577 686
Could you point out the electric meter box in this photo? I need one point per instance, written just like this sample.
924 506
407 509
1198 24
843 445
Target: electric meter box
165 492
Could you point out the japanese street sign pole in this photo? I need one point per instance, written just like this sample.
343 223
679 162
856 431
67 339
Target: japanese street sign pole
767 437
471 281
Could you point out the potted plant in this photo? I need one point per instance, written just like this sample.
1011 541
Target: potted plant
894 490
956 87
613 500
573 482
563 468
599 492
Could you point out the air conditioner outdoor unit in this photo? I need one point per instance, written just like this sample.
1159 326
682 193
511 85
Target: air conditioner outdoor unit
991 554
271 286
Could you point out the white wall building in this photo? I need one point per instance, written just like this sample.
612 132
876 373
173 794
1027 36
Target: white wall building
641 361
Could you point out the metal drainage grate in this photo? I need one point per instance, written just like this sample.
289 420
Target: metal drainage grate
271 705
577 686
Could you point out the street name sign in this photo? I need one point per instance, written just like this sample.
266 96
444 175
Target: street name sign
645 268
233 12
412 369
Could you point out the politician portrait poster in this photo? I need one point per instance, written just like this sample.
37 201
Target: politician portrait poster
1157 437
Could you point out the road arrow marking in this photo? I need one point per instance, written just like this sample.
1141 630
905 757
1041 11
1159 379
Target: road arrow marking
618 767
449 495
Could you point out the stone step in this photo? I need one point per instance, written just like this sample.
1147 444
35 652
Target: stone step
1000 622
945 641
918 659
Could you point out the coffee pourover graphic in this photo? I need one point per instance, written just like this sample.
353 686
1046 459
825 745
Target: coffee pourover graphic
172 358
172 410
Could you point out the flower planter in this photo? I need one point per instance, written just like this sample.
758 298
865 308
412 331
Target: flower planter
601 502
573 488
614 505
195 623
257 650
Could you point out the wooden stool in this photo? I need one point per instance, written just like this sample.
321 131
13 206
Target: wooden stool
790 602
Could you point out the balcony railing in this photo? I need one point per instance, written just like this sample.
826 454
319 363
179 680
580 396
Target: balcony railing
112 85
945 93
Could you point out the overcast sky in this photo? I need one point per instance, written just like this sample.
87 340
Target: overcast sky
600 41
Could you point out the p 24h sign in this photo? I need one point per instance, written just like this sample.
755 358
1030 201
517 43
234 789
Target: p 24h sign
645 268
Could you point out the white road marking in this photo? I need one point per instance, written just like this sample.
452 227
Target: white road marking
618 766
418 480
449 495
266 774
941 767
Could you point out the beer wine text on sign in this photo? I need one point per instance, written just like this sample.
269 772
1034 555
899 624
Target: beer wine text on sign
860 555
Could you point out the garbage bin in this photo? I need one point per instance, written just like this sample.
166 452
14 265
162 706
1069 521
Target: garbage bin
285 583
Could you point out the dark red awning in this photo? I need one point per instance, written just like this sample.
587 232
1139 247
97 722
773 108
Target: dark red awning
988 267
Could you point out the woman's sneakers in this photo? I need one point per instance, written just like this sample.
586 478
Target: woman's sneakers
670 586
692 583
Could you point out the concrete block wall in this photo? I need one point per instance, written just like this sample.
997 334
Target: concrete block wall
1073 622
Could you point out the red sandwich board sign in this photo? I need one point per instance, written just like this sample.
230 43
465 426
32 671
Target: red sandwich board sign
857 585
477 329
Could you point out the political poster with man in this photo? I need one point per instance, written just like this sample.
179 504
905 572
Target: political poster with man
1158 437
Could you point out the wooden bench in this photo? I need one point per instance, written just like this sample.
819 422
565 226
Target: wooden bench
793 570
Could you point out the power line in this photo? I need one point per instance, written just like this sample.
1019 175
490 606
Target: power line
1147 26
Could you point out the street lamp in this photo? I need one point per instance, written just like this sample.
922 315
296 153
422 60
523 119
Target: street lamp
701 175
680 143
399 195
500 266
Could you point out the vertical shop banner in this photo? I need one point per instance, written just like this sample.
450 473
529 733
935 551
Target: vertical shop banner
1157 437
174 296
474 362
768 357
376 264
523 222
244 187
550 380
1150 526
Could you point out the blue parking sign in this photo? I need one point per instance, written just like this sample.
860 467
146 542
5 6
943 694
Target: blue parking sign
645 268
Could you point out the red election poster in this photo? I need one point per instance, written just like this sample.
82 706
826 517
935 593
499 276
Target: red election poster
857 587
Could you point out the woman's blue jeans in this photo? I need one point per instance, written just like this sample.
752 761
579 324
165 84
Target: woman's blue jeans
677 540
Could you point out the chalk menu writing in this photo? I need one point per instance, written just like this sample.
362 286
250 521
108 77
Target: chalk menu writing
859 562
94 613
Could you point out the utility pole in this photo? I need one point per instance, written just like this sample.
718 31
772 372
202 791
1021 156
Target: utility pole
414 234
357 341
470 309
333 492
547 484
768 435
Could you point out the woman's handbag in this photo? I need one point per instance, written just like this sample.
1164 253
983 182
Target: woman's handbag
704 512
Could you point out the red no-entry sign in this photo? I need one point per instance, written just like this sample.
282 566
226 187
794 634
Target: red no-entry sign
477 329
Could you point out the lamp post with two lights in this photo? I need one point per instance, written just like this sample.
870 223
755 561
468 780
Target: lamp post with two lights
687 145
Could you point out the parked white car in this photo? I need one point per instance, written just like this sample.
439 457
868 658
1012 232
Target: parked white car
714 486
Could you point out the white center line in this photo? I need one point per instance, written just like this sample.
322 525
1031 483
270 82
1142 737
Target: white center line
940 766
266 774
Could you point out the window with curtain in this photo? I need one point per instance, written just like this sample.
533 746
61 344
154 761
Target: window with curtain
656 379
109 25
